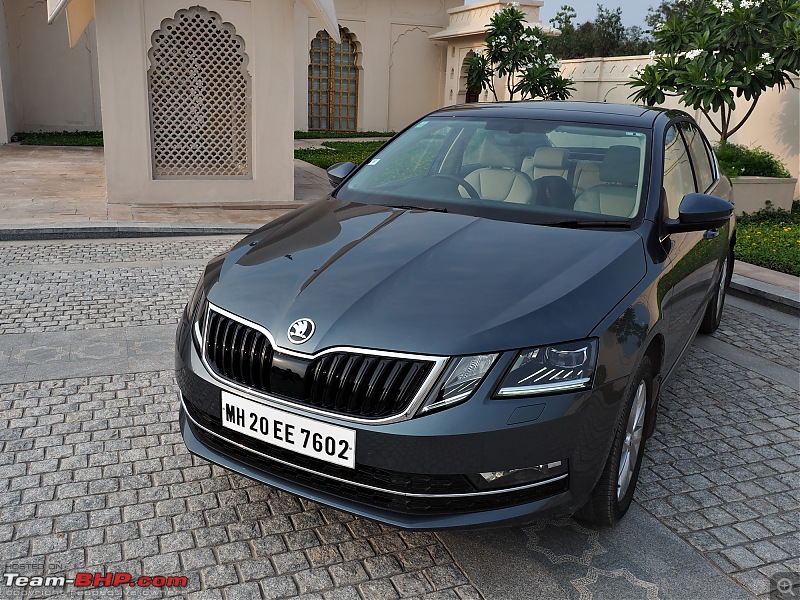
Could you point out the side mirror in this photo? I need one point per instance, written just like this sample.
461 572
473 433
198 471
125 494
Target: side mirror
700 212
337 172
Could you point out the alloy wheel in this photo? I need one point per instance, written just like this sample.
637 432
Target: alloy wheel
633 440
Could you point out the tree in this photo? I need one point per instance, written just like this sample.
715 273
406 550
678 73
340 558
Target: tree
605 36
519 54
666 10
721 51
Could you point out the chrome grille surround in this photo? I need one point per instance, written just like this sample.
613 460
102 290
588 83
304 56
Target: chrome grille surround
437 365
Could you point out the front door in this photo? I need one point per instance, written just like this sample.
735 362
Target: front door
332 84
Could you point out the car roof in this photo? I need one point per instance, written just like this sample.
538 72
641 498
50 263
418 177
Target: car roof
630 115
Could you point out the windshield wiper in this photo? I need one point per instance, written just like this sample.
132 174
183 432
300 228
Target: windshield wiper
409 207
576 224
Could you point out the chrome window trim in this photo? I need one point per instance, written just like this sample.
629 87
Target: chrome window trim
364 485
439 363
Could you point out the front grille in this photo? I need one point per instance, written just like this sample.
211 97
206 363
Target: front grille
367 386
238 352
383 498
358 385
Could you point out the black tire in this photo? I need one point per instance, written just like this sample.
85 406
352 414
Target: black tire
713 316
606 505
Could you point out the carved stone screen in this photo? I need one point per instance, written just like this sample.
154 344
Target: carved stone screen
200 115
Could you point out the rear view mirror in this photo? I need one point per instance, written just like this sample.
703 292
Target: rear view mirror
337 172
700 212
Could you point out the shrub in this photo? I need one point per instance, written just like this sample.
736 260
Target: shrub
770 238
736 160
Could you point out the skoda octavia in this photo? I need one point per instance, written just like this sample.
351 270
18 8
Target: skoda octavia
474 327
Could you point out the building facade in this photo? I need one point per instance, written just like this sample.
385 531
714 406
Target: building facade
198 101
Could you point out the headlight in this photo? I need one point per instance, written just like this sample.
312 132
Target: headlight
556 368
462 378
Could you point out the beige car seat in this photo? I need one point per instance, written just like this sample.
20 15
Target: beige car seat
547 162
499 179
618 195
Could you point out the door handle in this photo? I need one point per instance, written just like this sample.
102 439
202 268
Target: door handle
711 234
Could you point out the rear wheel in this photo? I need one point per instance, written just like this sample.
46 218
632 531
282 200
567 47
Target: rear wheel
612 496
713 314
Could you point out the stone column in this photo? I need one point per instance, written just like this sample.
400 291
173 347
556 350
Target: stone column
7 113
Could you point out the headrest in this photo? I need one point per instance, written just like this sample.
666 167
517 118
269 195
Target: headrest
550 158
496 153
621 165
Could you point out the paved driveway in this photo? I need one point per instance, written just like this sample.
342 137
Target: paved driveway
94 476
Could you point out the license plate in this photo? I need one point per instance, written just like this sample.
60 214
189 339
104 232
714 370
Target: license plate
310 437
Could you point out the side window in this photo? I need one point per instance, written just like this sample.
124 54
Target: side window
678 177
700 159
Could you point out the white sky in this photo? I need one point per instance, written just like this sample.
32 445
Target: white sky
633 11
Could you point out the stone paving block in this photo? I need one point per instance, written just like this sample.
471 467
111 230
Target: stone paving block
320 556
742 558
268 545
234 552
211 536
290 562
219 575
175 542
255 569
333 533
298 540
313 580
356 549
343 593
381 589
445 576
349 573
384 565
278 587
411 584
243 591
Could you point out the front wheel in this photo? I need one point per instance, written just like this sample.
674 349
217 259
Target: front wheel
612 496
713 316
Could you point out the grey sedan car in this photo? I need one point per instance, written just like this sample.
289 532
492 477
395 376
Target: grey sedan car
475 326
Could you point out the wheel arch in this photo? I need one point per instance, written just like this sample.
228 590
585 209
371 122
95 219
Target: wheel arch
655 352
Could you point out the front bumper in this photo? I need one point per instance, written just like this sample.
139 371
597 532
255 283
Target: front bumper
412 473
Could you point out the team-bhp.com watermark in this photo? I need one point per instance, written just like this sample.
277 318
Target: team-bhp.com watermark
16 583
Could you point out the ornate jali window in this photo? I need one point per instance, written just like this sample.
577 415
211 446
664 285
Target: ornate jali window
200 99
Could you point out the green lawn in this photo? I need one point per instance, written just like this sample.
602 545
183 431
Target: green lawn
770 239
336 152
60 138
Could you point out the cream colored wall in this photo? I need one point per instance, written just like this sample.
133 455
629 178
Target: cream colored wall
8 123
401 71
455 87
774 125
124 29
465 36
54 88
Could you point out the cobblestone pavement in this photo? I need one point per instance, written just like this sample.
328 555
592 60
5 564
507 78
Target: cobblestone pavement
94 475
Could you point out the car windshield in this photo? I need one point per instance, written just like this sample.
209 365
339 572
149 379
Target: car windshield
551 172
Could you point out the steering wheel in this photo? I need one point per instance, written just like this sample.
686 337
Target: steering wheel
473 193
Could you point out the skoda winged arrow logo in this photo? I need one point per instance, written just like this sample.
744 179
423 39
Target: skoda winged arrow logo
301 331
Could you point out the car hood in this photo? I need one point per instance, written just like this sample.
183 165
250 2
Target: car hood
425 282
